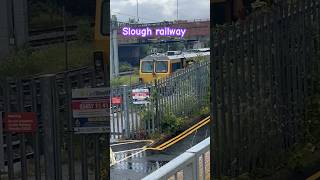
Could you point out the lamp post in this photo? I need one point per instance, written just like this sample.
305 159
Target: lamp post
137 10
177 10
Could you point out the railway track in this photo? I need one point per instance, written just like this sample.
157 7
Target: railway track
54 35
43 37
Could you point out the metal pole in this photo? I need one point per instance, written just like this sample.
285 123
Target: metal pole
137 10
1 146
65 37
84 164
36 138
97 157
70 129
125 109
177 10
9 135
22 136
48 118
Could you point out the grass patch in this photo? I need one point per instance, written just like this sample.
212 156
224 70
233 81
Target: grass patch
125 80
50 60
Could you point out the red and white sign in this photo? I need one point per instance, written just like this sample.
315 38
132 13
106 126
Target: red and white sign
20 122
116 100
90 108
140 96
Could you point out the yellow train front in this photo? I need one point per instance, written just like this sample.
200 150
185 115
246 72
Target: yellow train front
161 65
102 39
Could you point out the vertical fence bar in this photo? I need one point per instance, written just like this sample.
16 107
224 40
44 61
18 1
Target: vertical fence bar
50 118
70 134
1 146
215 79
241 97
84 160
126 111
37 133
7 102
97 157
20 104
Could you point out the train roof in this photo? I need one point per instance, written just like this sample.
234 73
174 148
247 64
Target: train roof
201 50
186 55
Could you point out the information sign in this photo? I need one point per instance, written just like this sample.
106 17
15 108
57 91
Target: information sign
140 96
20 122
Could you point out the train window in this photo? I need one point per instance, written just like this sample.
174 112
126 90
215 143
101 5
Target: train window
162 67
147 66
105 18
176 66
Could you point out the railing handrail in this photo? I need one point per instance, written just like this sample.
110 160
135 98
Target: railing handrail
179 162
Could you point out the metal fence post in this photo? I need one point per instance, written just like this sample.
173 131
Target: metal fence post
7 102
97 157
1 146
84 154
50 118
198 84
70 128
37 159
22 136
156 121
125 110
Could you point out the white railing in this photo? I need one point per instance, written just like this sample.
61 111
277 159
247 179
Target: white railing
194 164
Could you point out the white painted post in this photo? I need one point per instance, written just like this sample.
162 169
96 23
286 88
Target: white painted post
188 172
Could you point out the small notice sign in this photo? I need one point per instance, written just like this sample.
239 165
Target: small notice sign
140 96
90 102
116 100
20 122
90 107
90 130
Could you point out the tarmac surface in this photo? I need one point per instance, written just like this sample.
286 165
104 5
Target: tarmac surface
136 164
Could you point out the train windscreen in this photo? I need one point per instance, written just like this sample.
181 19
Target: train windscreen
147 66
162 66
105 18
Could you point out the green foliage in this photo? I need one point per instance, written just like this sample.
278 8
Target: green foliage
124 66
85 31
25 62
171 123
156 136
205 110
44 14
312 122
179 46
301 157
124 80
145 50
146 115
105 165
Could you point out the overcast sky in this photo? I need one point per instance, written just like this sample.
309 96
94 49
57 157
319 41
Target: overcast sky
160 10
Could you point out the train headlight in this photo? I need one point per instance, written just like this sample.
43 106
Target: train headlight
98 60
